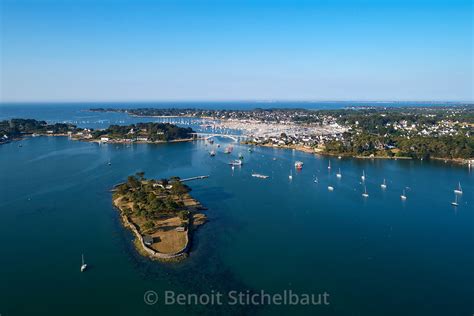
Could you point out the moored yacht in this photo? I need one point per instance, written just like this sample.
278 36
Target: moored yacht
365 194
299 165
403 196
455 202
237 162
83 265
459 189
383 185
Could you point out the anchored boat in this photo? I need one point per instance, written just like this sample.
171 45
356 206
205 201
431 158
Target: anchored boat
455 202
237 162
365 194
403 196
83 265
459 189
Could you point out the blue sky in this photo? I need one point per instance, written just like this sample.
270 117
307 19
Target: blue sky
113 50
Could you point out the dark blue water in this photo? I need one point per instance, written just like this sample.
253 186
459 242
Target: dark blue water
374 256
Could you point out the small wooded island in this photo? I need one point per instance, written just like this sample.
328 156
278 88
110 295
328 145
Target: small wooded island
161 213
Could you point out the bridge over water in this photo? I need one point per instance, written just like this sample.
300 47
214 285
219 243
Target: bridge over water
206 136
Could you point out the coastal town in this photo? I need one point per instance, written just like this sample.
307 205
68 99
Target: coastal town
432 132
407 132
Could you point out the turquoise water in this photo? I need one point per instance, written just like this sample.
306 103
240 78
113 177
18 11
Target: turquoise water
374 256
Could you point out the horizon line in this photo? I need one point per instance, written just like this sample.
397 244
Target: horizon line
236 100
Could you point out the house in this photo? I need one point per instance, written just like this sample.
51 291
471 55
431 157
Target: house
104 139
148 240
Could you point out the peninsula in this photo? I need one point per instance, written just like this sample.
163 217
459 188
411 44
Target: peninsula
16 129
161 213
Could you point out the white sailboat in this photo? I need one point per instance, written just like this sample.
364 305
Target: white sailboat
455 202
365 194
329 165
363 175
84 265
459 189
259 175
383 185
403 196
339 174
291 175
330 188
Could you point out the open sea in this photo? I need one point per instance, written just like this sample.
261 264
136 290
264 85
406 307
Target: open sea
373 256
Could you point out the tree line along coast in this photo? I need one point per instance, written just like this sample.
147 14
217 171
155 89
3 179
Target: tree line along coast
16 129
